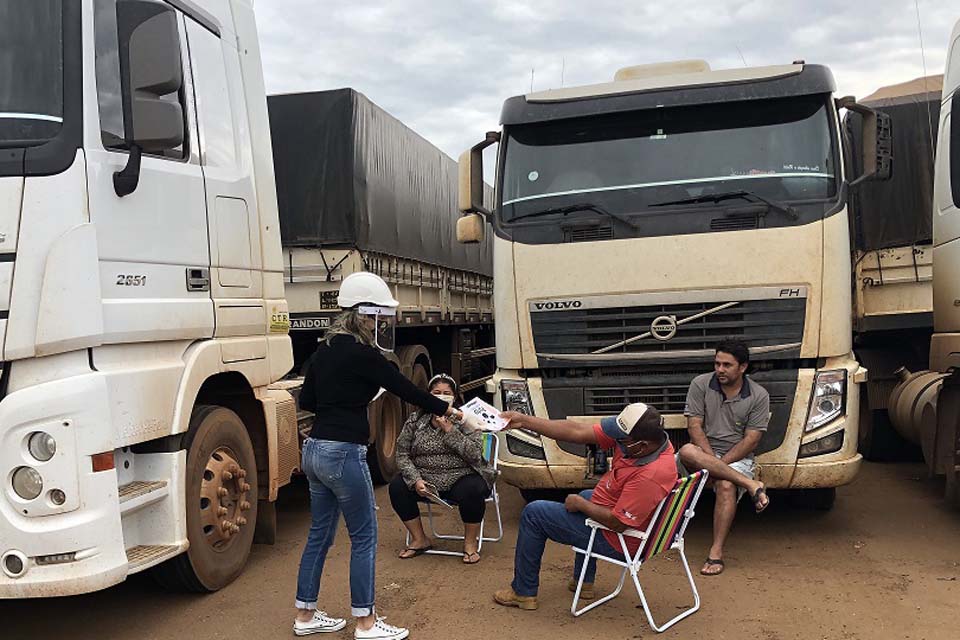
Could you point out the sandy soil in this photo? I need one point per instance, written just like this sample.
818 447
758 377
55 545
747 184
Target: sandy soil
885 563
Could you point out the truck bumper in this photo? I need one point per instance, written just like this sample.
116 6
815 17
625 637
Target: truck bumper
76 547
811 475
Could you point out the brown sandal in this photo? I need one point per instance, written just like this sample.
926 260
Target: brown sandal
468 557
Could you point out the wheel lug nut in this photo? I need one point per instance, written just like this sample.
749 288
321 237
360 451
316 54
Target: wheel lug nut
245 487
244 506
226 525
241 521
242 473
235 529
227 476
221 511
222 492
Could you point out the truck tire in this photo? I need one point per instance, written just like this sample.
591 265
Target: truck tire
878 440
817 499
386 420
221 503
553 495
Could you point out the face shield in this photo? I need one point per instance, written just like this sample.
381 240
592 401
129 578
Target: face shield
384 333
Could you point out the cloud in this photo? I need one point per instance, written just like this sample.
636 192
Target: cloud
445 68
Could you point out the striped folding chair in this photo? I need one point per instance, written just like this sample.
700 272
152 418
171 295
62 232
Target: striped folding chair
491 447
665 532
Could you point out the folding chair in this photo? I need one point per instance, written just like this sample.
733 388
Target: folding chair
665 532
491 447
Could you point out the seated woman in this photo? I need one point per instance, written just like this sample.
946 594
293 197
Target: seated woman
434 451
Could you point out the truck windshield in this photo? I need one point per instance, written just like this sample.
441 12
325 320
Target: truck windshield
778 149
31 72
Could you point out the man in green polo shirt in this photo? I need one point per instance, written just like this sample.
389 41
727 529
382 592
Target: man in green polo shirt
727 414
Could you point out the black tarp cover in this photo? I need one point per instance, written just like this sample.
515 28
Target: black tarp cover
349 173
897 212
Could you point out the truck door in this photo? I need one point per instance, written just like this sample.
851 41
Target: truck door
227 162
153 243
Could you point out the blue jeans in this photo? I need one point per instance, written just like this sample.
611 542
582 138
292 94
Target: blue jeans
339 481
544 520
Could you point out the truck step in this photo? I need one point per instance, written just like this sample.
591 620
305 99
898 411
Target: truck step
145 556
140 493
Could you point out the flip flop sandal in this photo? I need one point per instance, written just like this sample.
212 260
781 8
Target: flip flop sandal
712 562
762 491
467 557
416 552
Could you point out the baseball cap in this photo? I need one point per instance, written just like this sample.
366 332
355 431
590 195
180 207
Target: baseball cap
619 428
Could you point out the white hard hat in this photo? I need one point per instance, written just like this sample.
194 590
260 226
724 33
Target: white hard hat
364 287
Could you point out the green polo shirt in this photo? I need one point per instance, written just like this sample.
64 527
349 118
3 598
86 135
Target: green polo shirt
725 420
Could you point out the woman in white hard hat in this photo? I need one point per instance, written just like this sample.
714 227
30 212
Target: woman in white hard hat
343 376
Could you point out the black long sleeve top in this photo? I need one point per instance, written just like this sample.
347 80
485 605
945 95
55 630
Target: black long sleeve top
342 378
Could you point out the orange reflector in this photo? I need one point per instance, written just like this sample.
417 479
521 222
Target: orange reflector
102 461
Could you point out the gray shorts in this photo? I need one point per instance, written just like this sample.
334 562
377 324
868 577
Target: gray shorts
744 466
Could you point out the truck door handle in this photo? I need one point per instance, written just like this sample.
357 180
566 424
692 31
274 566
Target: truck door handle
198 279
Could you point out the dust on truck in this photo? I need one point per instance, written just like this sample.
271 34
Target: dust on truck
360 191
143 317
638 222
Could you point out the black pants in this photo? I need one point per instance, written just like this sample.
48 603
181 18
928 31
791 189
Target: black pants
468 493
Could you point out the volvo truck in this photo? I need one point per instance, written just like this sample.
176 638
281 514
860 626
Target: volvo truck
638 222
142 311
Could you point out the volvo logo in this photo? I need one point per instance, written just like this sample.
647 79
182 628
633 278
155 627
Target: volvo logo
556 305
663 327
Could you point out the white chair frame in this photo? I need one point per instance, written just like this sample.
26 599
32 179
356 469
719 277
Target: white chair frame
634 562
493 498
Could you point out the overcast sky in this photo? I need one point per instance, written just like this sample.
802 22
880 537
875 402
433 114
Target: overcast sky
444 67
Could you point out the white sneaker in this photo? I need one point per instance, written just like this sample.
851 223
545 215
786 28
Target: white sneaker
381 631
320 623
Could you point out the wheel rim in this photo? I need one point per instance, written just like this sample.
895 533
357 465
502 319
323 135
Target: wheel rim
224 499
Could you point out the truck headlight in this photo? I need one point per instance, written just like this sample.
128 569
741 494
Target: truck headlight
27 483
42 446
828 400
516 396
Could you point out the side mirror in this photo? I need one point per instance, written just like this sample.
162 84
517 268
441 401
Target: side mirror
470 228
876 136
150 68
470 199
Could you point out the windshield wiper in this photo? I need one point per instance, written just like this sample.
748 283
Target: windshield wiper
731 195
573 208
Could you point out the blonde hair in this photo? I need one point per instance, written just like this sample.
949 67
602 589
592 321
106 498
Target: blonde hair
350 323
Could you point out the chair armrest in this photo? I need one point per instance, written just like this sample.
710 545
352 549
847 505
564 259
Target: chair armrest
633 533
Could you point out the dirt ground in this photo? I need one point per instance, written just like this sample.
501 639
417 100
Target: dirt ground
884 563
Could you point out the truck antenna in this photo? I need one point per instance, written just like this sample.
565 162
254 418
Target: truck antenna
923 62
531 80
742 59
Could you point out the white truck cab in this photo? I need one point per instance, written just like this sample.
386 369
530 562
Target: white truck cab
142 311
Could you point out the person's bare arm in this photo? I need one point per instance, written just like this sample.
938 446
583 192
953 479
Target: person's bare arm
697 435
751 438
564 430
575 503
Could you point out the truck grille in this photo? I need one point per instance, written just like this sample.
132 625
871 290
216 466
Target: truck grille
582 331
607 401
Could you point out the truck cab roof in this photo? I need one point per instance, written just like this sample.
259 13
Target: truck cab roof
669 89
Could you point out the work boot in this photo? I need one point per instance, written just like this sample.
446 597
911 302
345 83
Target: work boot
586 591
509 598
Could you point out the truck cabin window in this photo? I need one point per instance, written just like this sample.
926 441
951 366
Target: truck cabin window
31 72
778 149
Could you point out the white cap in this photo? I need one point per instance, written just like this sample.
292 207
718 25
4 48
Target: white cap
365 287
620 427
